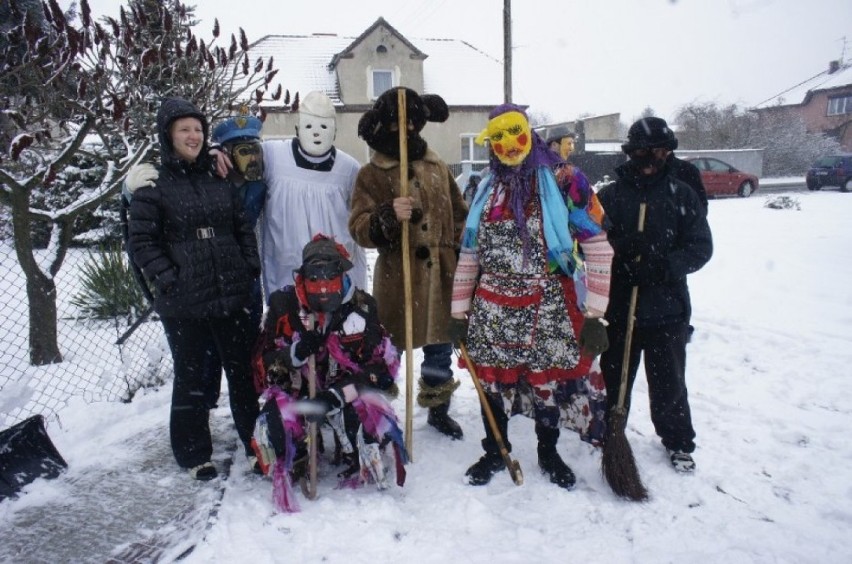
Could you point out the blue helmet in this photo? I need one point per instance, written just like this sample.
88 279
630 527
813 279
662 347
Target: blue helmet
239 128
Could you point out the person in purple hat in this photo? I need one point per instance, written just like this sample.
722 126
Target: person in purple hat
529 293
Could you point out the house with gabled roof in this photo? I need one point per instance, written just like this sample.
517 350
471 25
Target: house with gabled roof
823 102
353 72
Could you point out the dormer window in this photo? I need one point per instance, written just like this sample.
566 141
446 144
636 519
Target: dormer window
382 80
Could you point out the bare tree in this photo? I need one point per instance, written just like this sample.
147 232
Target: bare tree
90 90
788 147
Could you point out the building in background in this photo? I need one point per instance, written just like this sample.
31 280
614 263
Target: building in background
353 72
823 102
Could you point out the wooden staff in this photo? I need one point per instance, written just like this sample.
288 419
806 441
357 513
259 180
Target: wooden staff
312 427
406 277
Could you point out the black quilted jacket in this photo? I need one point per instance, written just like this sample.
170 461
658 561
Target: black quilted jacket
190 237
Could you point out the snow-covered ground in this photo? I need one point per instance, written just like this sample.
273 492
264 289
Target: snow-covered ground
769 374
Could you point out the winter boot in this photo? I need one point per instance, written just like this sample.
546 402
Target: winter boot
682 461
552 464
549 460
482 470
203 472
437 399
439 418
351 465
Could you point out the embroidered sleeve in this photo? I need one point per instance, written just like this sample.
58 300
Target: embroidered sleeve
598 260
464 282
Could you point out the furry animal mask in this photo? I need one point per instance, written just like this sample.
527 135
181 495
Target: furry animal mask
378 126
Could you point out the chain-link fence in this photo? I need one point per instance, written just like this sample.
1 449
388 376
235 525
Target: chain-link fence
94 367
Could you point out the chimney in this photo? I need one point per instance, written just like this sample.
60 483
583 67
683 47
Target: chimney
833 67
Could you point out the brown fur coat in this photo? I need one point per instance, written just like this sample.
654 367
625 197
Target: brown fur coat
433 244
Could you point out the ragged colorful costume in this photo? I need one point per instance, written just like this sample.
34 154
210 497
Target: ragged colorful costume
325 318
534 264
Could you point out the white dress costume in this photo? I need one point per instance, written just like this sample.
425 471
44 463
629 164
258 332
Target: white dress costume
300 203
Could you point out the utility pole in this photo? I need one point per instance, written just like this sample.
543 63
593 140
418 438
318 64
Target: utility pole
507 51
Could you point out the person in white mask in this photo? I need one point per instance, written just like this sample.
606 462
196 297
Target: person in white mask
310 184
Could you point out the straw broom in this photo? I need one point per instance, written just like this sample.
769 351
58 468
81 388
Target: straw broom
617 463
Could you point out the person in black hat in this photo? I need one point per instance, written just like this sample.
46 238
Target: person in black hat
189 236
324 316
675 241
654 133
436 212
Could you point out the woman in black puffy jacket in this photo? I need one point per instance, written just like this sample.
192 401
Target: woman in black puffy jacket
192 241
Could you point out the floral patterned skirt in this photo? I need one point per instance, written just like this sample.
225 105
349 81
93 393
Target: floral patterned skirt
578 404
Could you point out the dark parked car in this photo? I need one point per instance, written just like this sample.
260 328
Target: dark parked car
721 179
835 170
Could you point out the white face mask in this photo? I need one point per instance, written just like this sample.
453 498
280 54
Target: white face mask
316 134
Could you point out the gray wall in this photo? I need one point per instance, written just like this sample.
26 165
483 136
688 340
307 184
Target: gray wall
746 160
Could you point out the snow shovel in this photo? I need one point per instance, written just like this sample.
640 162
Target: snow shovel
406 277
27 453
617 463
513 465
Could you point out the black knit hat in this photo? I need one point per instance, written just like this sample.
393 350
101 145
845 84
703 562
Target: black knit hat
324 249
649 133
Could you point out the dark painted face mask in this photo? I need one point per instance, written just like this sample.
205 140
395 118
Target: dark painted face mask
323 286
642 159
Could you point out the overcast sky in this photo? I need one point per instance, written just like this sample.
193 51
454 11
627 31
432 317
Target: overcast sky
574 57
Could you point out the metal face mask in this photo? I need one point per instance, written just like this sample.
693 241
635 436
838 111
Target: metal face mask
316 134
248 159
510 137
323 286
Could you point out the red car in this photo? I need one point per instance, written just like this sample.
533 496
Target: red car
721 179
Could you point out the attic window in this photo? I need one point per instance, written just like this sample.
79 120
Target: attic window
382 80
381 49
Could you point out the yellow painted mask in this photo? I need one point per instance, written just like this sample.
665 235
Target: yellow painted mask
566 147
510 137
248 159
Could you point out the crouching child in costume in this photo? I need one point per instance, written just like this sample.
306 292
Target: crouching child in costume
529 295
326 317
436 212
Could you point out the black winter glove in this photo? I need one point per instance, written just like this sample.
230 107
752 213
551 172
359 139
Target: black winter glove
310 342
633 245
391 228
376 374
646 272
457 328
593 338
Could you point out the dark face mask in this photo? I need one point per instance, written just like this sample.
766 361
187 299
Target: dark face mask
644 158
323 286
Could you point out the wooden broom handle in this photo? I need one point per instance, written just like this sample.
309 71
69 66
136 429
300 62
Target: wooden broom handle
631 318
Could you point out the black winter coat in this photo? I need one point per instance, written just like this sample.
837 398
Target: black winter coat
687 172
192 241
680 243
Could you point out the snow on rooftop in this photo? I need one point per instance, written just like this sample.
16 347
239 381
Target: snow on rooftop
822 81
454 69
302 62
